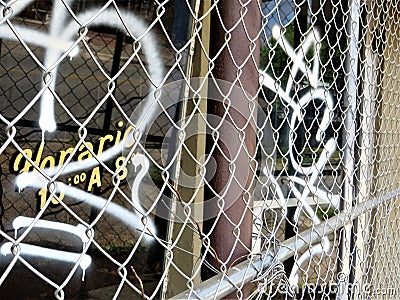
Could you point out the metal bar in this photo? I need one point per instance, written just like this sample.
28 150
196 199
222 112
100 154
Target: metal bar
362 231
300 28
230 50
196 66
350 103
222 285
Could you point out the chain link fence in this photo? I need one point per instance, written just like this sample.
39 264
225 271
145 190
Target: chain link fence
199 149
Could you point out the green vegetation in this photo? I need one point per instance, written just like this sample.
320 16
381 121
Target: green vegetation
326 213
127 247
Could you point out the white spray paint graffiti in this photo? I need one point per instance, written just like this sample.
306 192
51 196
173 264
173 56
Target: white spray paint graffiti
12 9
78 230
137 220
58 44
311 173
26 249
139 160
54 46
131 219
47 120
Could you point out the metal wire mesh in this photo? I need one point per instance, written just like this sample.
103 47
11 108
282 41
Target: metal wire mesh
199 149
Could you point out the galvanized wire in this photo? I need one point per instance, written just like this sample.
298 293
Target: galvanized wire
184 149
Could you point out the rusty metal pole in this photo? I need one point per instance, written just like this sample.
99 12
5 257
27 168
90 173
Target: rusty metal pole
237 47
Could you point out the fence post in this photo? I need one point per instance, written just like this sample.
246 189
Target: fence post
366 167
300 28
189 241
235 50
349 139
